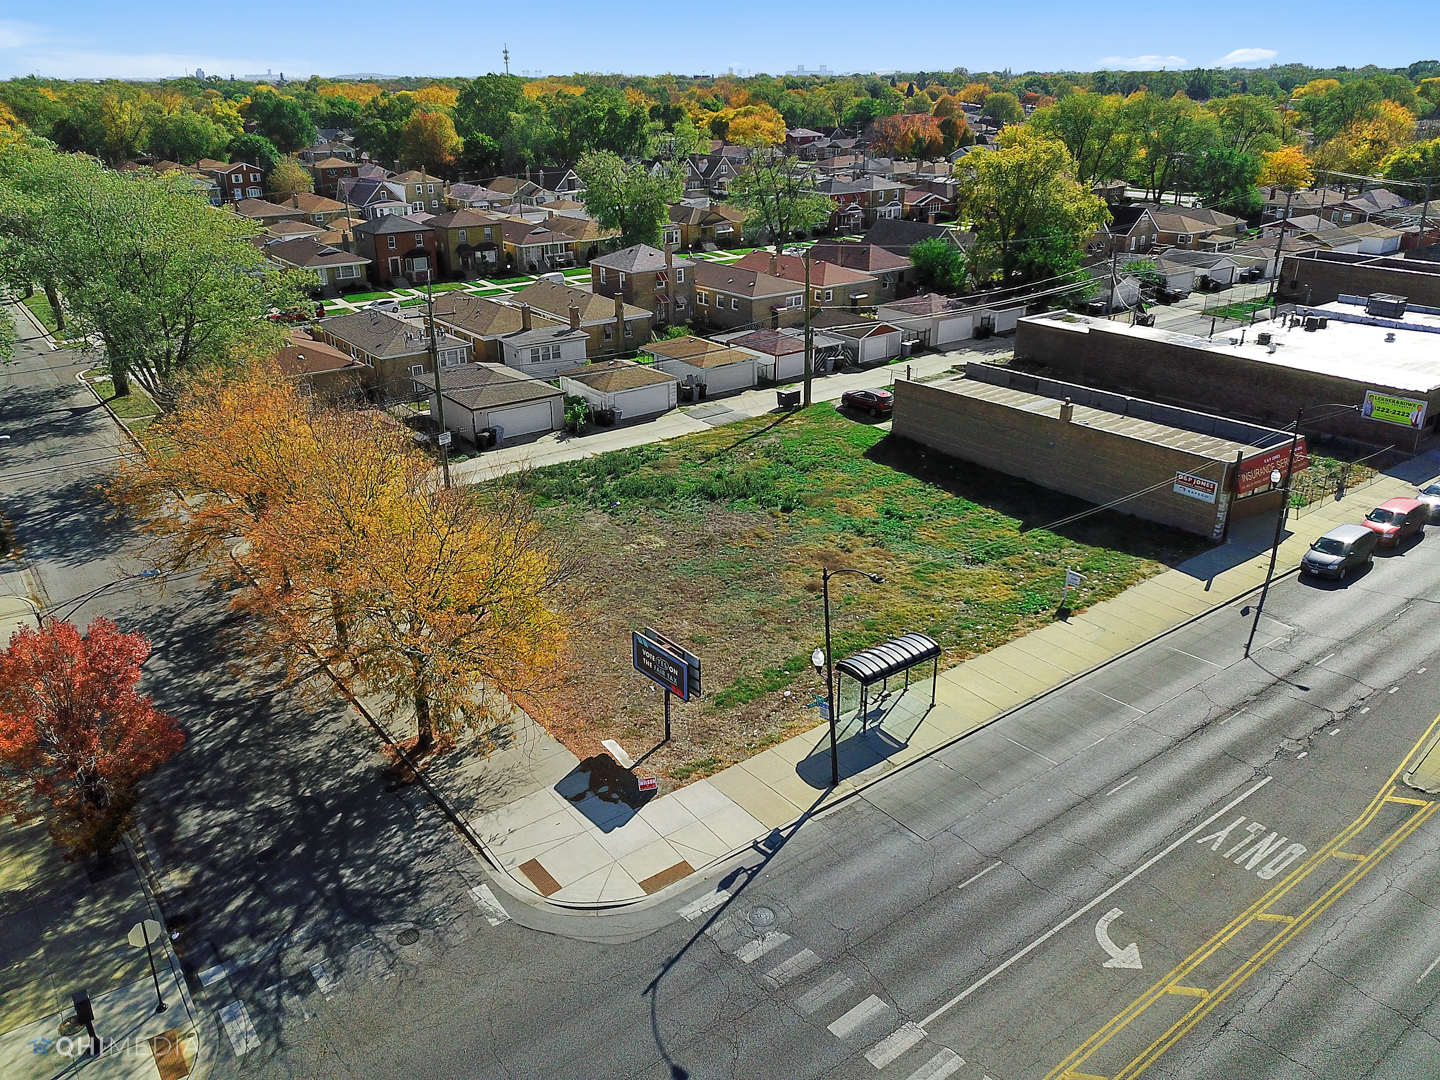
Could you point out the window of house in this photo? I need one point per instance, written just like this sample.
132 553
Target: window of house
620 279
535 356
679 275
794 301
734 303
680 303
452 358
628 331
429 189
702 298
417 207
602 274
461 236
419 240
817 296
417 369
1182 239
348 272
390 242
609 332
254 178
319 219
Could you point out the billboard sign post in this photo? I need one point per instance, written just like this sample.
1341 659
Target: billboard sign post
675 669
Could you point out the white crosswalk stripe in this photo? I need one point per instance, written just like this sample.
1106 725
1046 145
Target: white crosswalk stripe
894 1044
757 947
940 1066
239 1028
868 1011
793 968
324 980
485 899
709 902
822 995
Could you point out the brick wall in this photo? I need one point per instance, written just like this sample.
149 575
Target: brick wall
1212 382
1318 281
1088 462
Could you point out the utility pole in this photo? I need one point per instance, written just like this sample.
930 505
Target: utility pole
1279 243
443 438
1424 210
809 339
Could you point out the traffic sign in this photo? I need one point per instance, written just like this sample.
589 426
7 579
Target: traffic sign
444 439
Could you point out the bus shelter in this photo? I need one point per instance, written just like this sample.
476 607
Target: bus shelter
886 661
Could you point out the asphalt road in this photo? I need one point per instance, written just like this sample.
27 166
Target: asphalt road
954 921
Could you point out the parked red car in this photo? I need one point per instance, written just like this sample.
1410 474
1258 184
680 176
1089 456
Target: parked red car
292 315
1396 520
875 402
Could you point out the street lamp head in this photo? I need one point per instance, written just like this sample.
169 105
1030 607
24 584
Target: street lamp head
876 579
817 659
1274 476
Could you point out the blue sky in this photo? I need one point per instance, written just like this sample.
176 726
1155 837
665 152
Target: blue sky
85 38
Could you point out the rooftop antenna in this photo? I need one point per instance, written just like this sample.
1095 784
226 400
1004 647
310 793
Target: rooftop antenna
507 58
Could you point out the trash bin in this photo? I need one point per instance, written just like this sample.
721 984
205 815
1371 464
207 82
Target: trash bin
788 399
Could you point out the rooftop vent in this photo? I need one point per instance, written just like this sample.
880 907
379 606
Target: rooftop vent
1386 305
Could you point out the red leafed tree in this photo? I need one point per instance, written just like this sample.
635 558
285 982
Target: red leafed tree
75 735
915 137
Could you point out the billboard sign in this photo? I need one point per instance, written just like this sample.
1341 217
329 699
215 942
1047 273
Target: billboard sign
1405 412
658 658
1196 487
1255 471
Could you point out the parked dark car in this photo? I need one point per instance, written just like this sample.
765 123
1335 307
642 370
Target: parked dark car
1430 496
1396 520
1342 549
875 402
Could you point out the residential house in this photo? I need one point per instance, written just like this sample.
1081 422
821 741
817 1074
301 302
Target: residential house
369 170
894 275
732 297
484 322
401 251
862 202
558 182
899 236
327 149
531 248
499 398
1131 229
288 230
424 193
1195 227
337 269
546 349
1110 192
318 210
266 213
614 326
1277 203
831 285
622 389
694 226
329 172
780 354
237 180
466 241
202 180
923 205
1365 205
397 350
586 236
322 369
798 139
705 368
710 174
647 278
475 197
516 189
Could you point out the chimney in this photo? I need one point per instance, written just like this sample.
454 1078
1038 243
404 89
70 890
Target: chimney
524 316
619 322
1067 411
574 317
295 200
774 265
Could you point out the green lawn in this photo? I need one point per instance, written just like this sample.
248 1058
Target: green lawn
717 540
577 271
523 278
491 292
1240 309
366 297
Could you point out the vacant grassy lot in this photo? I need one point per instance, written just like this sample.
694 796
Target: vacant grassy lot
718 539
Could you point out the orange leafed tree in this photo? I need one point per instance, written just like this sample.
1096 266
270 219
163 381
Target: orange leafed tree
917 137
76 737
353 552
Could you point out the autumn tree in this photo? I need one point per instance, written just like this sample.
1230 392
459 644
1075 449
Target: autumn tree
1418 161
1287 167
76 736
635 199
1031 215
954 128
289 178
912 137
779 197
428 140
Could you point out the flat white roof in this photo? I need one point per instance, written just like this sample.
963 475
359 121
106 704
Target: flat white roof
1357 352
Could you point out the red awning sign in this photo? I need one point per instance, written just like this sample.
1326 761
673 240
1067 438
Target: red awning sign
1255 471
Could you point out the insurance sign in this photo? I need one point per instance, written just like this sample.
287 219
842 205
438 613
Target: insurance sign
1405 412
1196 487
1255 471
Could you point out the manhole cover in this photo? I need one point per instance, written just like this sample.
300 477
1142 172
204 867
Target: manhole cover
762 916
270 854
407 937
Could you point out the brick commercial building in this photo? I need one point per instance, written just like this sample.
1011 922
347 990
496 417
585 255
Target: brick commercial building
1103 448
1263 373
1320 277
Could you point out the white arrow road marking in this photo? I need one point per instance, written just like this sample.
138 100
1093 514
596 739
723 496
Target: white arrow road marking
1128 957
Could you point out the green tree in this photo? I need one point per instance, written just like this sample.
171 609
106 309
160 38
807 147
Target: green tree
1168 132
1003 107
1092 127
186 137
939 265
254 150
483 113
1227 179
601 118
289 177
631 198
1032 216
1418 161
779 197
281 120
1248 123
383 124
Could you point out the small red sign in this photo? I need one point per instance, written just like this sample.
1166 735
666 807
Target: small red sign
649 783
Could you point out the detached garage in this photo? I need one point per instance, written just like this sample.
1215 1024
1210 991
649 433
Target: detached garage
934 320
866 341
710 367
628 390
479 396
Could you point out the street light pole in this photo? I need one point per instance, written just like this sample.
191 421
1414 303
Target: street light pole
825 575
1282 514
442 437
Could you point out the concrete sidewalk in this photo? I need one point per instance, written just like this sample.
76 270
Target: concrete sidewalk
63 929
529 805
562 446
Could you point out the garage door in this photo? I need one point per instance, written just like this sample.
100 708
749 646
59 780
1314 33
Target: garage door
522 419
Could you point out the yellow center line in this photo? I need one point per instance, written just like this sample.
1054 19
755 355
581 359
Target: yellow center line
1187 991
1349 854
1252 914
1270 916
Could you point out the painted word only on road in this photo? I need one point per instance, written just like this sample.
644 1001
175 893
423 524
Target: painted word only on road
1267 855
